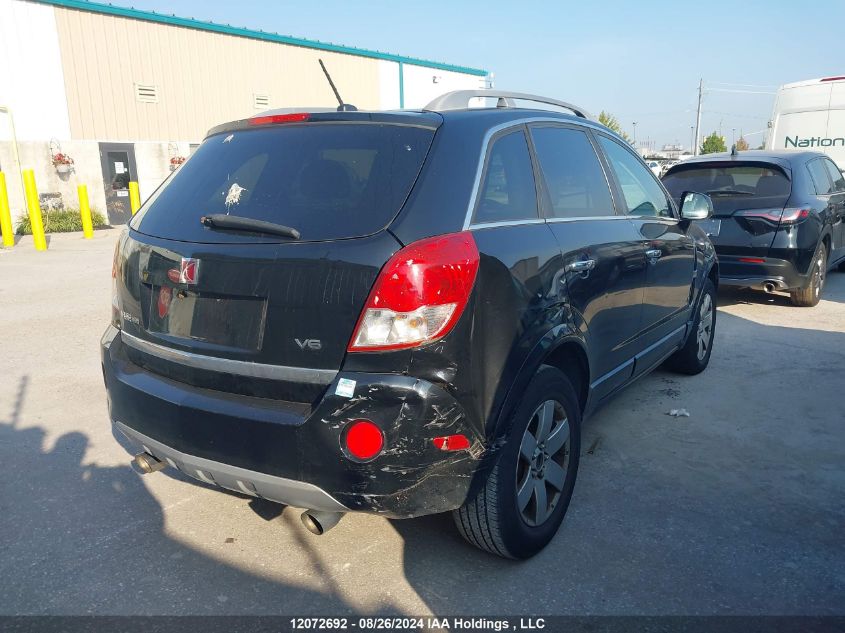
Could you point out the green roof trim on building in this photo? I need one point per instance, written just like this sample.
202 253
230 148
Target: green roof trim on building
160 18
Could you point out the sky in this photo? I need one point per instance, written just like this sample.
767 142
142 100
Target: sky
639 60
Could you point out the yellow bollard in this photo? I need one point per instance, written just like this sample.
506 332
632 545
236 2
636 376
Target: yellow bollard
134 197
34 207
85 212
5 214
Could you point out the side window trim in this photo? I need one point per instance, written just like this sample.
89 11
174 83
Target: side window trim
623 204
477 193
544 198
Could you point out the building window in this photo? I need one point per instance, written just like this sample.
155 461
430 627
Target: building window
146 93
260 102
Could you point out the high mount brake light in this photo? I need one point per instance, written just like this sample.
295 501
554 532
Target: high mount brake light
784 217
296 117
833 78
419 295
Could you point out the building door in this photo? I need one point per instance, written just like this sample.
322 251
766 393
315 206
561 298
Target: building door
119 169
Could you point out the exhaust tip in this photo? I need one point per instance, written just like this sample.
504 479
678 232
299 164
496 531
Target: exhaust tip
769 287
320 522
146 463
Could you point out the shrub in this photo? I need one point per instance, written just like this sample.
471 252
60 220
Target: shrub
63 221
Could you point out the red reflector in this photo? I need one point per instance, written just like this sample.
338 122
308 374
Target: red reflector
364 439
752 260
451 443
296 117
833 78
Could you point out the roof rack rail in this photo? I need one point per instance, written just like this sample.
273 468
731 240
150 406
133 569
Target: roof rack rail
459 99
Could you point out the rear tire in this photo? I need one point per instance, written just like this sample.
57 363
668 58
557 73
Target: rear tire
811 294
694 356
523 502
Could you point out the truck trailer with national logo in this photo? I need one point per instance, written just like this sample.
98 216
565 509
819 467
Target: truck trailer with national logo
810 115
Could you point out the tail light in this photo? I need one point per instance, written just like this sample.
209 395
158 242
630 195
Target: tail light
115 302
782 217
419 295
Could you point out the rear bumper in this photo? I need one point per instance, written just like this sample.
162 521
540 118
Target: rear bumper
781 273
292 452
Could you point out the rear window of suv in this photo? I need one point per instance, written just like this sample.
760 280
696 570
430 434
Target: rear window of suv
328 181
734 186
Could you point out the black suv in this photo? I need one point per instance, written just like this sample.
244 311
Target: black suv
779 217
402 313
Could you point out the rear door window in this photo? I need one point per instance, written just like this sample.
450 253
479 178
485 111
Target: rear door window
328 181
508 191
821 180
573 176
643 194
835 175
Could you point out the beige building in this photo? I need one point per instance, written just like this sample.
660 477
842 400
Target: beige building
71 85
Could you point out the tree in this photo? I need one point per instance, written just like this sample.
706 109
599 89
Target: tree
609 121
741 144
713 143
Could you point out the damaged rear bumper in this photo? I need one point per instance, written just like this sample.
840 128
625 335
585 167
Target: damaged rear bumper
291 452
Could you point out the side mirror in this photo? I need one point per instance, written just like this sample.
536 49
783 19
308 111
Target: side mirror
696 206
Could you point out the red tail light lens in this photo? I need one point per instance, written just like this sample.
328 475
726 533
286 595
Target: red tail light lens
775 216
419 295
363 440
296 117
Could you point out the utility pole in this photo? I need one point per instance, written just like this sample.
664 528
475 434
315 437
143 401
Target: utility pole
635 134
691 138
698 117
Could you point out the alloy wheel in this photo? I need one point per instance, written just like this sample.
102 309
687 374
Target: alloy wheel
543 463
705 326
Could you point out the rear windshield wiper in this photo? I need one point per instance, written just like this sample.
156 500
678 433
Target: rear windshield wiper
729 192
238 223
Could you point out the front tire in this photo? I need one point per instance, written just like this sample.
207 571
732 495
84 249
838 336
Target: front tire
694 356
523 502
810 295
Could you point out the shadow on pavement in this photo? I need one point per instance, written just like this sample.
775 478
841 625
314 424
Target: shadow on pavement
711 514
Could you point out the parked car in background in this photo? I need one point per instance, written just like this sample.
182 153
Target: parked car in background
778 221
402 313
810 115
654 166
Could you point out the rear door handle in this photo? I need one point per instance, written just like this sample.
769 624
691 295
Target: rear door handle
653 253
581 266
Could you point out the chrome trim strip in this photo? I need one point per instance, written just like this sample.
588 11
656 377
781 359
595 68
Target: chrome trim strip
612 373
587 217
662 341
489 225
229 366
288 491
484 146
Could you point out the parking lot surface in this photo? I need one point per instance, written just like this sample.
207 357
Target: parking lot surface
736 509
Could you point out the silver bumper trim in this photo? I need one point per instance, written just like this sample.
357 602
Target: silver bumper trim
229 366
287 491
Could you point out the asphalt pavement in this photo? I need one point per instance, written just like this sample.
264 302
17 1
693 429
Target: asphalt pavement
737 509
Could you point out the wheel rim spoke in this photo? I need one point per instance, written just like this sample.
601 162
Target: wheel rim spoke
558 438
541 503
546 419
526 449
523 496
555 474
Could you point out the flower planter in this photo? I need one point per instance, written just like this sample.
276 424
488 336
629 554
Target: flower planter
63 169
